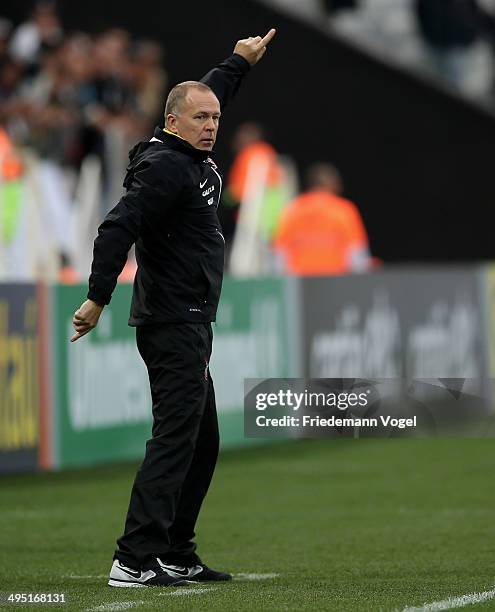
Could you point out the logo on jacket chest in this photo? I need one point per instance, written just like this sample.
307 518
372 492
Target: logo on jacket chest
210 189
205 193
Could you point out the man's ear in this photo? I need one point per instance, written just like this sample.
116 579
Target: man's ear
171 123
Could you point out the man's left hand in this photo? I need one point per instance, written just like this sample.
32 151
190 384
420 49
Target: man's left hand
252 49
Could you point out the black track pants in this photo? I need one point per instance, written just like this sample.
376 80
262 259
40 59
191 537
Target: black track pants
180 458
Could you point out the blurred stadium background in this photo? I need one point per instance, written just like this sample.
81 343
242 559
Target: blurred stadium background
398 97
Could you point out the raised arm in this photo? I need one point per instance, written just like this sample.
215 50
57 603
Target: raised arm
225 78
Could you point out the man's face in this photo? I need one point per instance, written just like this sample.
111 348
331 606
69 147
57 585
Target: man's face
197 120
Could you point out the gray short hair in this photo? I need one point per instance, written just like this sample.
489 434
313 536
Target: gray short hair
323 174
178 94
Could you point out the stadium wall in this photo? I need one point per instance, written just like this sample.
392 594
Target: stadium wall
410 323
101 390
19 378
64 405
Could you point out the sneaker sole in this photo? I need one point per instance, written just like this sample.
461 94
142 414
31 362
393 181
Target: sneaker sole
127 585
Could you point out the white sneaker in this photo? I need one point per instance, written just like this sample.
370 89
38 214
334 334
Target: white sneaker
123 576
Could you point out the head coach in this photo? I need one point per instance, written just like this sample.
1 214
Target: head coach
170 212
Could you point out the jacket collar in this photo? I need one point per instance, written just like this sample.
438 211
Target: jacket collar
177 143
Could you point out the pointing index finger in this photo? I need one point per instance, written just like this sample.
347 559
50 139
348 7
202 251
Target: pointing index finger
268 37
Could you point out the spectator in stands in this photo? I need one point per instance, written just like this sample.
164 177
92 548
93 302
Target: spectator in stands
77 64
115 109
10 71
333 6
5 30
149 80
42 30
110 71
450 28
10 79
320 232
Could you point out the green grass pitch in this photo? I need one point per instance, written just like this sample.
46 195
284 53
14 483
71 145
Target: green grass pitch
340 525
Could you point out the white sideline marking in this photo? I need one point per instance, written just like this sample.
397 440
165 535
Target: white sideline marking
75 577
22 514
256 576
117 605
454 602
186 591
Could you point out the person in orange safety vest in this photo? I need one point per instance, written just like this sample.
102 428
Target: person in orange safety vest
11 171
252 150
321 233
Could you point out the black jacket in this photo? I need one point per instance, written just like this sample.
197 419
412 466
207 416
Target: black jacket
170 212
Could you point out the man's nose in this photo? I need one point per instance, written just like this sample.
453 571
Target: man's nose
210 125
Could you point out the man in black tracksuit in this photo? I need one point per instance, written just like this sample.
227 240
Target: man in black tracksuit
170 212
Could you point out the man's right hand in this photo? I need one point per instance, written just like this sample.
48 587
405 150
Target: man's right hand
85 318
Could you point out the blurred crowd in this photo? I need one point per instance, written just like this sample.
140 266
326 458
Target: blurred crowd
453 41
71 107
60 92
69 97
